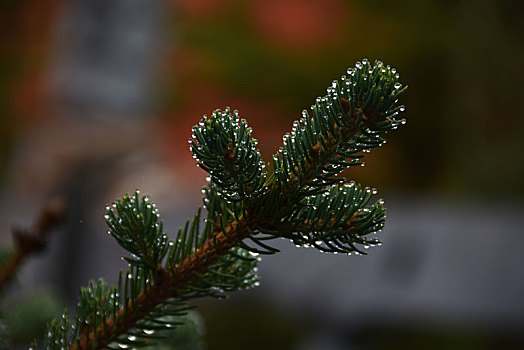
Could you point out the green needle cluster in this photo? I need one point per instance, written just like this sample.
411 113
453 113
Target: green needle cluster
299 196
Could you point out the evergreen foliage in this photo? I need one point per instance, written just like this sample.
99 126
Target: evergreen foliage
301 198
226 150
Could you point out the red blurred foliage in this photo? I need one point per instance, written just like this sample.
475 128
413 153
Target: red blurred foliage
28 96
26 29
186 66
300 24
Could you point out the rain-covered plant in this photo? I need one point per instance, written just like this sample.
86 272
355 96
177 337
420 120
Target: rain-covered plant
298 196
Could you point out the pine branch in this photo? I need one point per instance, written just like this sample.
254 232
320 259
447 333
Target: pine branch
302 199
345 122
32 240
166 286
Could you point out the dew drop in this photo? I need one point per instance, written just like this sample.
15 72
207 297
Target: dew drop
149 331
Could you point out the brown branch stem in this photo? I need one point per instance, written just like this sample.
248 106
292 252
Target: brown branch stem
165 287
32 240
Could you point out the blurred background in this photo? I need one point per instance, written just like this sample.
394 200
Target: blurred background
97 98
